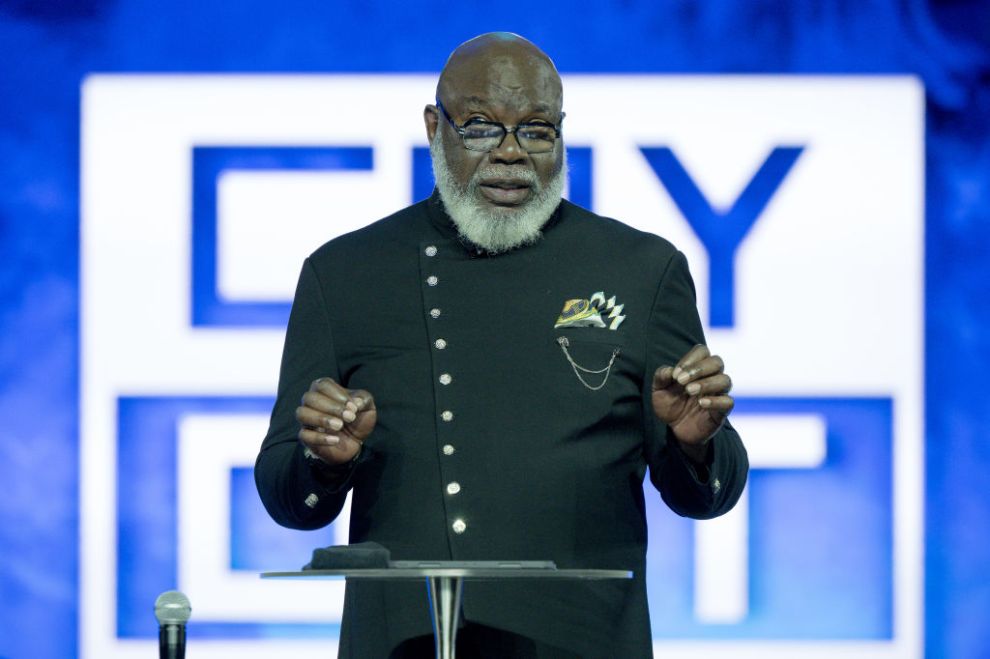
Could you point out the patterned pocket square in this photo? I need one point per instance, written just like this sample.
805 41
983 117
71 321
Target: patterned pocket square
589 312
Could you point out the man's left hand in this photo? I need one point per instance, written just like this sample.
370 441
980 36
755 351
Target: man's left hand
692 398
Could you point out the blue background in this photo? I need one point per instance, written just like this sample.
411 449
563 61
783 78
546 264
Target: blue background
803 584
48 47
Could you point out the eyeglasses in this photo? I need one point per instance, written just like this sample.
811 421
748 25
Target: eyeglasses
481 135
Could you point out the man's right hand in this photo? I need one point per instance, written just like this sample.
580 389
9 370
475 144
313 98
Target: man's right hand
335 421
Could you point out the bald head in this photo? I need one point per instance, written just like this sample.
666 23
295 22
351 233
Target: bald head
500 61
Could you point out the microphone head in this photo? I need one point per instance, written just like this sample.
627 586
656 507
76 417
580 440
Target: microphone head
172 608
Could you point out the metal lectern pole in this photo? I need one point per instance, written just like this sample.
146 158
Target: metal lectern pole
445 601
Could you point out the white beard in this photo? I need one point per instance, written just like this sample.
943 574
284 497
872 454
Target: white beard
493 228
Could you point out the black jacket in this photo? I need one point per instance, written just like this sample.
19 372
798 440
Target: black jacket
547 467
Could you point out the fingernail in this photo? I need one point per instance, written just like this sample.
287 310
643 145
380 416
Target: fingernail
683 377
693 388
333 440
676 372
336 424
359 403
350 405
348 415
704 402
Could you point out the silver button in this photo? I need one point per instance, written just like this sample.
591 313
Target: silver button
434 312
716 486
448 449
453 488
445 378
432 280
431 251
440 344
447 415
459 526
312 500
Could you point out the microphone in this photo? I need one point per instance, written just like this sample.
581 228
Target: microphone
172 611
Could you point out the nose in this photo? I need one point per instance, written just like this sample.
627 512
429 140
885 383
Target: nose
509 151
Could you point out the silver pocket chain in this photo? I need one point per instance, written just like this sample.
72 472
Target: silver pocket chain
563 342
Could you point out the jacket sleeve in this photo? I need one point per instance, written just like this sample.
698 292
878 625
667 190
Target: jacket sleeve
295 494
698 491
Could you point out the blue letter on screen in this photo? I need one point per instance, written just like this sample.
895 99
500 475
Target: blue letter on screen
721 232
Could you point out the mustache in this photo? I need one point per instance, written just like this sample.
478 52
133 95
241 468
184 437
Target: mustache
503 172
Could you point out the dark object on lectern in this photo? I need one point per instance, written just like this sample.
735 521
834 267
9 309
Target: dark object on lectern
172 611
346 557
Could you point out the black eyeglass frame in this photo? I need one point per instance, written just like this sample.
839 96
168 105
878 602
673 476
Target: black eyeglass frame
505 130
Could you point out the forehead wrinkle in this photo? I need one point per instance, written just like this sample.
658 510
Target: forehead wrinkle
474 101
528 96
519 101
500 60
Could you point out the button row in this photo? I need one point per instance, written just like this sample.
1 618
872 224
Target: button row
459 526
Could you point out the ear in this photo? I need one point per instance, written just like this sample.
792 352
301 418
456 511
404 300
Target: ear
431 117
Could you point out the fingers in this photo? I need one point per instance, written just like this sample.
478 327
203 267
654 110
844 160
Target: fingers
717 384
722 404
697 364
327 397
712 392
701 376
693 356
326 408
333 449
327 388
316 407
359 399
363 400
316 438
704 367
313 417
332 414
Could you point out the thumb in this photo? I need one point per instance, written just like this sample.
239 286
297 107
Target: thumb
663 377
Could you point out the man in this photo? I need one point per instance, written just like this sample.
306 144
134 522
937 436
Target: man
490 372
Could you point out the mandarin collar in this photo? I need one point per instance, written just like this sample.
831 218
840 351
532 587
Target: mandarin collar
441 222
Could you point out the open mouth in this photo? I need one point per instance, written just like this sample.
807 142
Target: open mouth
505 192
